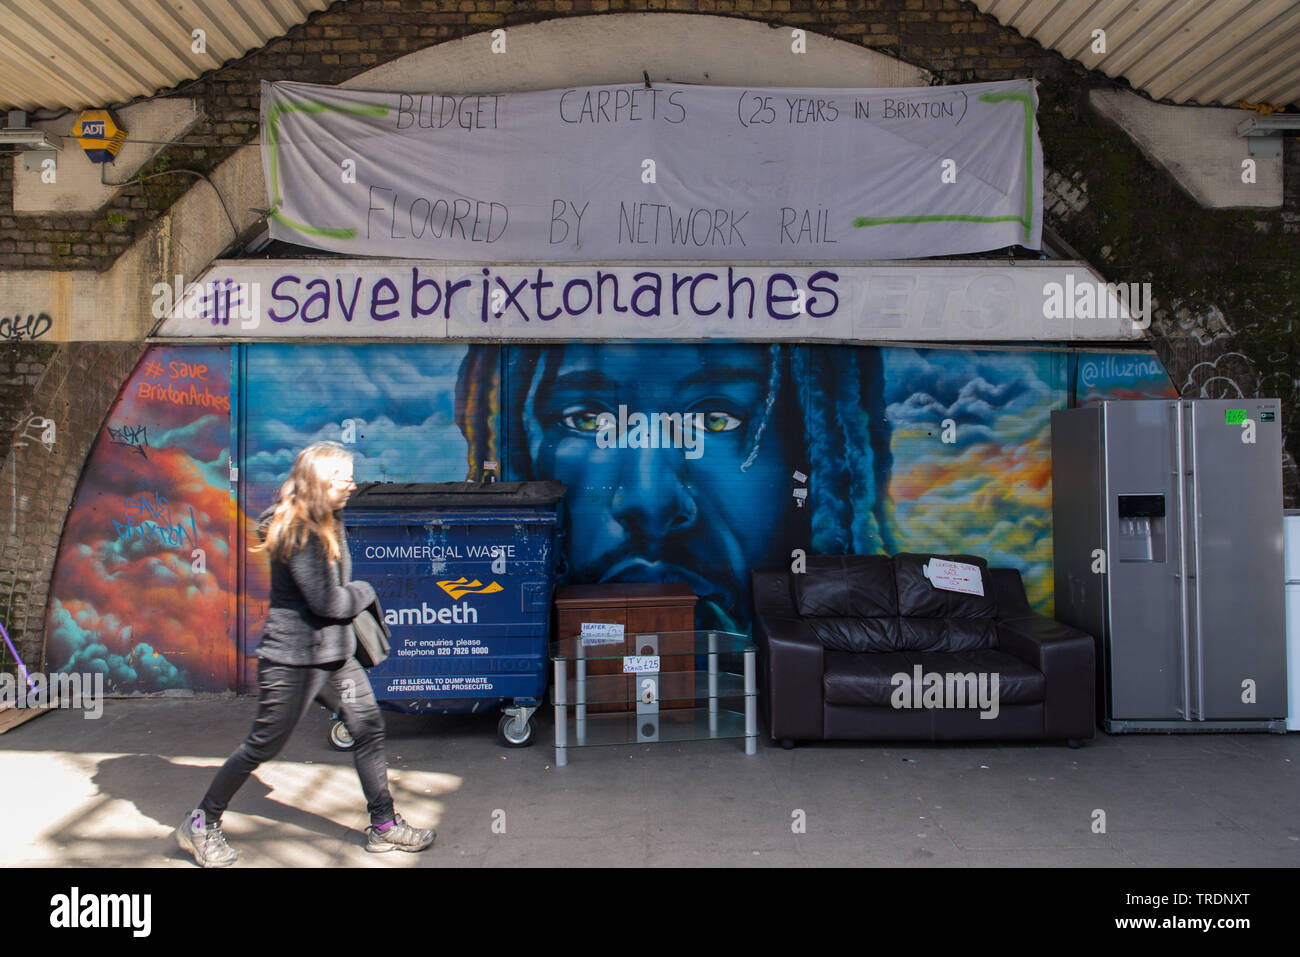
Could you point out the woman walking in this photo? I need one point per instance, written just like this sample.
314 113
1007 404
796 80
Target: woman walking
307 652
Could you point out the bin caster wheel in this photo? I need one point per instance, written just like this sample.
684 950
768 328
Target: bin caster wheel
340 738
511 736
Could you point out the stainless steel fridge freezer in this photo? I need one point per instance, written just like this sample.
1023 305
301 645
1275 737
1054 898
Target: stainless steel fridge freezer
1167 548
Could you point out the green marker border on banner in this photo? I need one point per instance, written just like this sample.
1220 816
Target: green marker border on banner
273 138
1026 220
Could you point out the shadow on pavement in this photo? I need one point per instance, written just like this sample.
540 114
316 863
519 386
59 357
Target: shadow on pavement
163 791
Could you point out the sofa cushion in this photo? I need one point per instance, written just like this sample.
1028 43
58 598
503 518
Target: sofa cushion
867 680
876 635
846 586
860 635
947 634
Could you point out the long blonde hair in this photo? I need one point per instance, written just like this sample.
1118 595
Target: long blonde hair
302 509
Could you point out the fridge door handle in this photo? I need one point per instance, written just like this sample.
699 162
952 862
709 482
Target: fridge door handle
1181 574
1193 618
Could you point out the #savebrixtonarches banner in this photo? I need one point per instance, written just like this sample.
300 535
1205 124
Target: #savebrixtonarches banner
665 173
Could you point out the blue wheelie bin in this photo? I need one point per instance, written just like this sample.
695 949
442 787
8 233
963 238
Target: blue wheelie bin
464 572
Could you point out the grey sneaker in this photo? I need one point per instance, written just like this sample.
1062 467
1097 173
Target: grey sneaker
207 844
400 837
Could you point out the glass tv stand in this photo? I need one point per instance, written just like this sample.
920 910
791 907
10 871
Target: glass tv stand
642 688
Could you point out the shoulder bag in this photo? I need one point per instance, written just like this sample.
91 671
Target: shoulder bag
372 635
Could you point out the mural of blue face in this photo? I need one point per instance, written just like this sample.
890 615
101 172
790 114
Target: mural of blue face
704 512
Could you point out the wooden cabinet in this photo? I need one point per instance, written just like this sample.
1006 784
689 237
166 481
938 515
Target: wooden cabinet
641 608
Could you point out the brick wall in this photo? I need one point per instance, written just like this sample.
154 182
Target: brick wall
21 365
76 388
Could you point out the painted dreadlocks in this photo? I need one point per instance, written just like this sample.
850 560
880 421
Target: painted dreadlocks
842 393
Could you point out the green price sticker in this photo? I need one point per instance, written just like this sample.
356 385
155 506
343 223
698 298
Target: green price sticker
1234 416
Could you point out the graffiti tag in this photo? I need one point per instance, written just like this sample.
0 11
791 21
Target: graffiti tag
33 327
35 428
152 521
134 437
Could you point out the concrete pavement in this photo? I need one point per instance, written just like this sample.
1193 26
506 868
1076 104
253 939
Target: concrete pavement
108 792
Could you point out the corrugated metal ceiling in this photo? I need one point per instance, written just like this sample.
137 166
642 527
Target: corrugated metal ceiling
1187 51
93 53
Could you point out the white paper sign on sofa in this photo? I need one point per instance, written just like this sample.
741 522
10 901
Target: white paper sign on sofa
954 576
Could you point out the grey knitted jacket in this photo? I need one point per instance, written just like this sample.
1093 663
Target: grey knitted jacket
310 617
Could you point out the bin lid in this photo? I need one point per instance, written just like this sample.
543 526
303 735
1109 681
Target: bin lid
477 495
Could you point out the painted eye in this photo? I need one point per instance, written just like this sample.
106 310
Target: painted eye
585 420
720 422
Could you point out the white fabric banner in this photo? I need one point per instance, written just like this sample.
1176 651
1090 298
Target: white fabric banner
668 172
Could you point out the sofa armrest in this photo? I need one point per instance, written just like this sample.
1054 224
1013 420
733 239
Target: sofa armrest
1065 656
790 661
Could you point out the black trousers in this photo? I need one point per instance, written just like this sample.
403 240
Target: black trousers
285 692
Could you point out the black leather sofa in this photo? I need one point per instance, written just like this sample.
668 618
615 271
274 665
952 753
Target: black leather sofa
833 639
